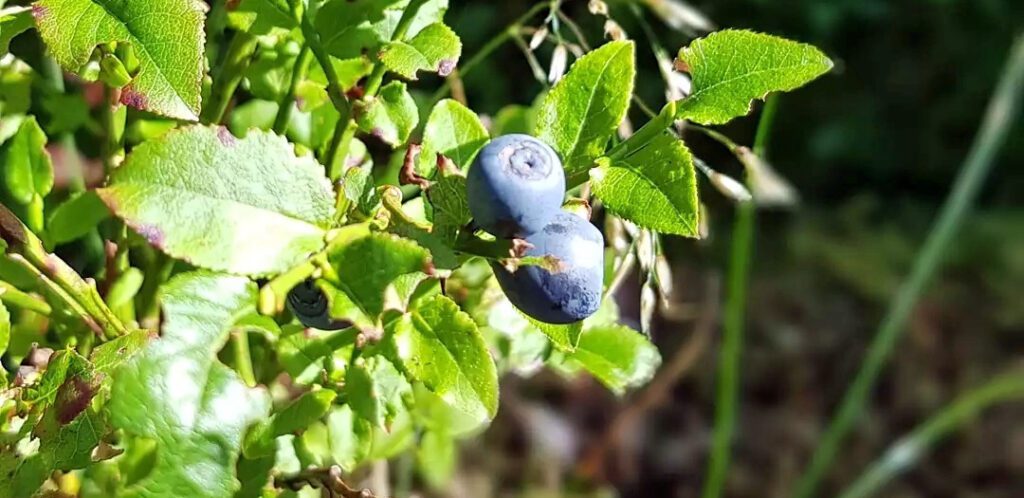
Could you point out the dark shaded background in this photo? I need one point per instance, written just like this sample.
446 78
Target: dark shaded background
873 148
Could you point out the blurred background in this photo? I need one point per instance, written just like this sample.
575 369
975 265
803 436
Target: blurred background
872 148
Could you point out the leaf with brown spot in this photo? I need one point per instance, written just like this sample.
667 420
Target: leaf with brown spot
167 36
247 206
435 48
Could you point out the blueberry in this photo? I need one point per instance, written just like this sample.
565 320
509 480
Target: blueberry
565 296
514 184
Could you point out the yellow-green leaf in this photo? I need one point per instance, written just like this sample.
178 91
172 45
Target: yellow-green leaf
167 36
248 206
390 116
730 68
582 111
439 345
434 49
654 187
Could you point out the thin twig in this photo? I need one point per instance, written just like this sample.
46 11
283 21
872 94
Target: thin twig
623 270
57 277
538 72
576 31
326 478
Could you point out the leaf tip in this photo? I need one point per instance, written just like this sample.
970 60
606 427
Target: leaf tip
39 11
131 97
445 67
152 233
225 137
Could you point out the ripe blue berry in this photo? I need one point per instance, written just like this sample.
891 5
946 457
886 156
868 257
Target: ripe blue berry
564 296
515 183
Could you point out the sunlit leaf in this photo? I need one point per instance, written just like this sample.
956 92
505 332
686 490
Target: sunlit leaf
730 68
246 206
177 393
581 113
654 187
167 37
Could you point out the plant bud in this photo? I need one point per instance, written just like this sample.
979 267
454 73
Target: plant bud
725 184
769 188
680 15
558 63
598 8
648 304
613 30
113 72
730 187
538 37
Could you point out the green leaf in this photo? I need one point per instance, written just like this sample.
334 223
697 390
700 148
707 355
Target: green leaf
349 437
262 17
13 22
27 169
434 49
123 290
349 72
177 393
408 220
62 365
68 428
654 187
436 458
390 116
450 202
367 267
440 346
76 217
375 389
582 112
68 444
254 474
359 188
5 332
620 357
351 28
523 347
299 353
310 407
433 413
23 476
246 206
109 355
68 113
564 337
398 439
514 118
15 94
730 68
453 131
167 36
269 74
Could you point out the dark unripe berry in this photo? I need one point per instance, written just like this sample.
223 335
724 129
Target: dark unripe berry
570 294
514 184
309 305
